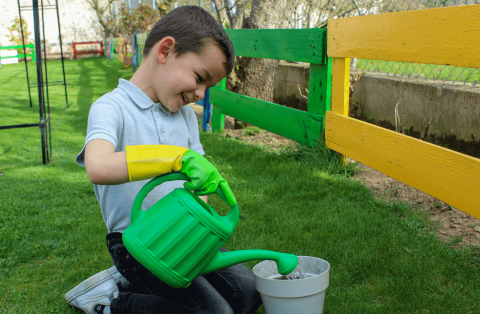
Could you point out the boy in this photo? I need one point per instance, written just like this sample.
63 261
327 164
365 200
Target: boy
141 130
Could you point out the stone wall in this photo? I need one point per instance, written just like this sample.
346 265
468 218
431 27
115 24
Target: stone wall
289 77
453 108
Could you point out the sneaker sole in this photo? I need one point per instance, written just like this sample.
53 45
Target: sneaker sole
88 284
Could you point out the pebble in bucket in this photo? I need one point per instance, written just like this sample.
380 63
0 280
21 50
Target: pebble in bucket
302 291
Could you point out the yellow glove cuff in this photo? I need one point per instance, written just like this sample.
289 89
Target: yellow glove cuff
148 161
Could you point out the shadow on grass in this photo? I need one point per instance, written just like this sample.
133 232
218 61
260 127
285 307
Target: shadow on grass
95 77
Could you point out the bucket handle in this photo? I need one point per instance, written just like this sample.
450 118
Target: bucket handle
147 188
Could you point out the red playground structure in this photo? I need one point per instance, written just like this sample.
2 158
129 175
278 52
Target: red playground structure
81 52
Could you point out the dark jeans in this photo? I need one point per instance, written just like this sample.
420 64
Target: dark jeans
226 291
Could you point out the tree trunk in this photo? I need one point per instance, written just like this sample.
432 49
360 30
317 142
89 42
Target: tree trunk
256 77
239 14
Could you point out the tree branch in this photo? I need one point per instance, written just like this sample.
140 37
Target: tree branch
218 13
229 14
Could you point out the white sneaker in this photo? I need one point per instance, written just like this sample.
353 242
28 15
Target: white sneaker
102 295
100 288
121 281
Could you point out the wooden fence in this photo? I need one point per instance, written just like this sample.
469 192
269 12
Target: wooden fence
445 36
306 45
31 54
89 51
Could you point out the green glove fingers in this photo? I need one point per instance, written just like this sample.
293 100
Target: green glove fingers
198 169
204 177
228 193
194 171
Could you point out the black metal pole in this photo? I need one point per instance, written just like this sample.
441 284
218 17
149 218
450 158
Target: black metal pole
45 58
61 52
46 112
24 53
38 53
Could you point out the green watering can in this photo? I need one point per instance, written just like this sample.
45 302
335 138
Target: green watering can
179 237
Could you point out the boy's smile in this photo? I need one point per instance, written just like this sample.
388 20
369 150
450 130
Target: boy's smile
183 79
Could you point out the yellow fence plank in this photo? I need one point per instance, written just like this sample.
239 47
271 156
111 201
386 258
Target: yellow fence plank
447 175
340 85
435 36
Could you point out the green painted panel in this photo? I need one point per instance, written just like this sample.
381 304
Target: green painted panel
297 125
218 119
320 88
141 38
114 56
305 45
18 46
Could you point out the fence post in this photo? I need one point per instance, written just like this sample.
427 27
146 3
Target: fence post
340 85
110 49
218 118
319 88
134 51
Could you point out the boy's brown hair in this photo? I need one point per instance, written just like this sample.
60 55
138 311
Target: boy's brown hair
193 28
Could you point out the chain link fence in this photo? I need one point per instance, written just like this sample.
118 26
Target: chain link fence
470 76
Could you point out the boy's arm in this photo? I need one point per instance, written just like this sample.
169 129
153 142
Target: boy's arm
103 165
106 167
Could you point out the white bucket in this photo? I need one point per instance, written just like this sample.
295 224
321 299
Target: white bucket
304 296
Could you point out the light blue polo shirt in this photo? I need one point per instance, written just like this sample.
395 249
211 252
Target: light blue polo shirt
127 116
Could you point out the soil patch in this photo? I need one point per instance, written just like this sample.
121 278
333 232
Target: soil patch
450 224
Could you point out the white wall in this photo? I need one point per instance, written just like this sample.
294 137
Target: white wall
77 20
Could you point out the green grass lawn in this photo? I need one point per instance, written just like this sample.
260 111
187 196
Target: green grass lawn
52 235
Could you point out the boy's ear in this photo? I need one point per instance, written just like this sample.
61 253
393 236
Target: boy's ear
165 49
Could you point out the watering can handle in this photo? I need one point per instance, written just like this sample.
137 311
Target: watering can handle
147 188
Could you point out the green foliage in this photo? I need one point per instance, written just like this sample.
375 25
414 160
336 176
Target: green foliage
15 34
250 129
321 157
137 20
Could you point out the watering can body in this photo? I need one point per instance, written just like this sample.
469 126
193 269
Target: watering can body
179 237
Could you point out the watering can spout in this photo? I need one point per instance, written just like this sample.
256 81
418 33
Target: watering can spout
286 263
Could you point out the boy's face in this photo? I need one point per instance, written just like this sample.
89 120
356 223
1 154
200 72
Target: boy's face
184 79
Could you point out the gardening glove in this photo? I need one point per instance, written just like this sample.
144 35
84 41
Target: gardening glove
205 178
148 161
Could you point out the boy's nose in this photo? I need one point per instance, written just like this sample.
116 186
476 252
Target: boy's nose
199 94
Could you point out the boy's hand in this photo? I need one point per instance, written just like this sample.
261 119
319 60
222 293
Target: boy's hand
205 178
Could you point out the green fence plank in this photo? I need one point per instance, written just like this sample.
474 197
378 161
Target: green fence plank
320 88
17 56
114 56
17 47
141 38
305 45
218 118
297 125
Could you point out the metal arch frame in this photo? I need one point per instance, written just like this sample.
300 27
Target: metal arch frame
44 7
44 107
